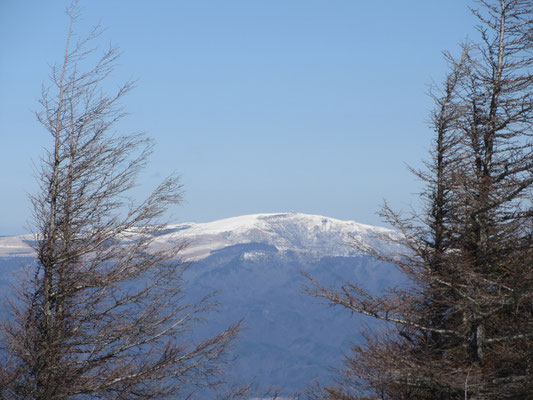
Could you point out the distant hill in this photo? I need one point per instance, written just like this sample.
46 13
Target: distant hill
253 262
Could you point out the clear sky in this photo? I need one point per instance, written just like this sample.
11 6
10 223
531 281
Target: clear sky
260 105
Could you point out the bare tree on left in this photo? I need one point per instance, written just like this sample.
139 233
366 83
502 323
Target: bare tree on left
103 314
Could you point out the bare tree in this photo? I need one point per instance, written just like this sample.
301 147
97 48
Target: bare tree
463 328
103 315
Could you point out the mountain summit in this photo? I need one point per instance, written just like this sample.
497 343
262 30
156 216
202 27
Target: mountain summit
302 233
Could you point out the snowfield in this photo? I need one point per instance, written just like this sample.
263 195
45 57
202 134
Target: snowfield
303 233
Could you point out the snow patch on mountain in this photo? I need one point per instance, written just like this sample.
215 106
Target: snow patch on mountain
16 246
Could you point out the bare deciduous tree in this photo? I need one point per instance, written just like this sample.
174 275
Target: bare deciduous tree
463 328
103 316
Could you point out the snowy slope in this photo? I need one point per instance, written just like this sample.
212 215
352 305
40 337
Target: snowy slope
16 246
303 233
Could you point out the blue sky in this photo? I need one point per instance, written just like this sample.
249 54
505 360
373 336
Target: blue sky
261 106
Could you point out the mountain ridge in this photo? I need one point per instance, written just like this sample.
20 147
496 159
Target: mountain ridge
303 233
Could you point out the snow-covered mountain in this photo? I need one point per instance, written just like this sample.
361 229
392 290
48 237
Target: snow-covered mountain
254 264
313 235
301 233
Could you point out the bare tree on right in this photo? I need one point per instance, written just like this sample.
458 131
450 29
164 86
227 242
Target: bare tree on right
463 329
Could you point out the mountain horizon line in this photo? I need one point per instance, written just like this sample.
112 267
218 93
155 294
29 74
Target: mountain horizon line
294 231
